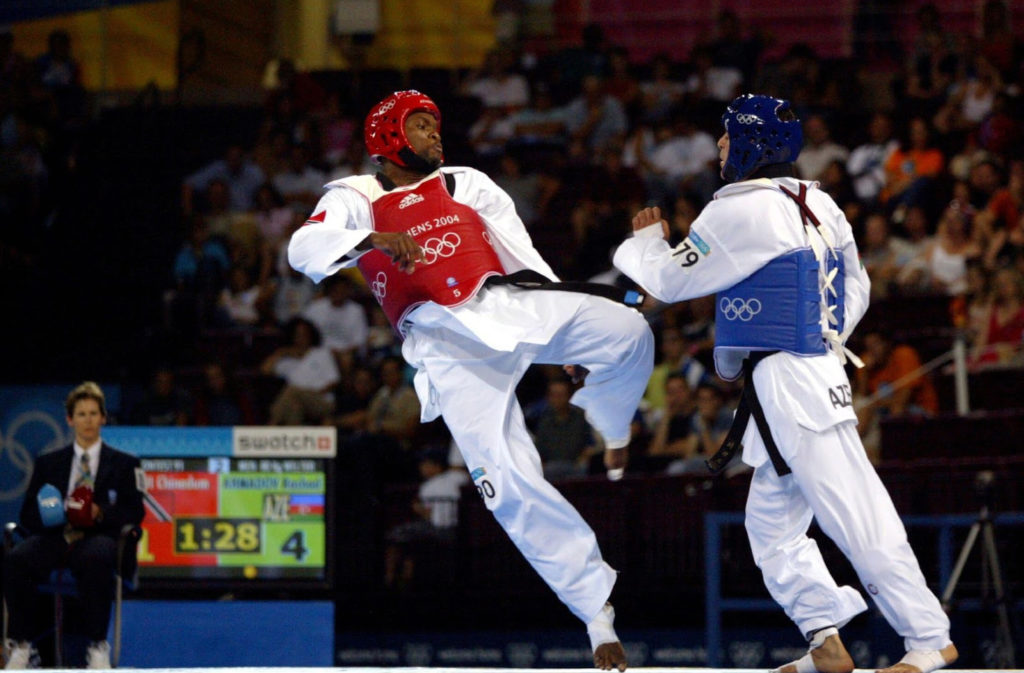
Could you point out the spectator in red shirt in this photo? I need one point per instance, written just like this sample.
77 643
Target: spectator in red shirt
1001 329
999 223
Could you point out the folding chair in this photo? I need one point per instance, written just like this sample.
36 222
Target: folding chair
61 583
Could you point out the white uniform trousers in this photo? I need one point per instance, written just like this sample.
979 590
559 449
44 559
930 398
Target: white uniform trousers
833 482
475 385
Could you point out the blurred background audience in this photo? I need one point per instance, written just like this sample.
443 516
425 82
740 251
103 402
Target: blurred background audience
581 129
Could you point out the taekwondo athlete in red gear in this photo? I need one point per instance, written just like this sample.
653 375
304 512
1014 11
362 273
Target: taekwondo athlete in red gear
781 257
431 241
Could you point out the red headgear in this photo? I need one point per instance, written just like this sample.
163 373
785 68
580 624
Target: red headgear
384 131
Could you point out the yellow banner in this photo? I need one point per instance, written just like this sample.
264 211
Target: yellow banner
432 34
410 34
120 48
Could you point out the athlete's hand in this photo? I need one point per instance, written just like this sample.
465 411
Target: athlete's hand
578 373
649 216
400 246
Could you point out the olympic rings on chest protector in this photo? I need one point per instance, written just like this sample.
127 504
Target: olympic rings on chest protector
436 248
739 308
379 287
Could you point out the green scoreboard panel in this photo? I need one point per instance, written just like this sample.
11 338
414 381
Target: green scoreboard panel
234 518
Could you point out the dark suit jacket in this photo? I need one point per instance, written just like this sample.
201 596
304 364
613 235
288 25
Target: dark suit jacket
116 489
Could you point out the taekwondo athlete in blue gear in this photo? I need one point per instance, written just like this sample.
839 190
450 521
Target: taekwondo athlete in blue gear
782 259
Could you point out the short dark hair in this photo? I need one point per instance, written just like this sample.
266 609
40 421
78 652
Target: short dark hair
708 385
435 454
680 376
292 326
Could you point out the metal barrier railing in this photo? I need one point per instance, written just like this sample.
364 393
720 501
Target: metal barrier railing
958 355
715 604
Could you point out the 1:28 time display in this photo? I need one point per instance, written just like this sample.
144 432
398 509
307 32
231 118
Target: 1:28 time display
206 535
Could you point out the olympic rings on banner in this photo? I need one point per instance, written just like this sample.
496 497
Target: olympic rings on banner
16 458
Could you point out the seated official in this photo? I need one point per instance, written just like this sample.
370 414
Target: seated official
78 500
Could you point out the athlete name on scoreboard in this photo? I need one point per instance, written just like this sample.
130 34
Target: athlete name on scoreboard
167 482
304 441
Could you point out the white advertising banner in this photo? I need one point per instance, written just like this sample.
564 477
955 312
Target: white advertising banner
298 441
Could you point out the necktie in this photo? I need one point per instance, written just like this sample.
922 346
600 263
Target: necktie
85 479
84 472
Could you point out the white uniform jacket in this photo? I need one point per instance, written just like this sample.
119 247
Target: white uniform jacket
499 317
744 227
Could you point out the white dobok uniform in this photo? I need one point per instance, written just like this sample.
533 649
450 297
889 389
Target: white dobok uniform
469 359
806 401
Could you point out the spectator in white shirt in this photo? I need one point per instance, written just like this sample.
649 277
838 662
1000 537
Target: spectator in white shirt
496 83
340 319
242 176
310 374
300 183
240 300
719 83
437 514
866 164
673 158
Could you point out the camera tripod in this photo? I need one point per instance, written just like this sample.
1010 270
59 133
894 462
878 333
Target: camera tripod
992 588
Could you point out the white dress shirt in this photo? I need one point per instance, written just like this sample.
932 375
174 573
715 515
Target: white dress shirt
76 467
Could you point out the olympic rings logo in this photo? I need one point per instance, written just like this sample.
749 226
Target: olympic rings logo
13 451
385 107
379 287
435 248
739 309
747 118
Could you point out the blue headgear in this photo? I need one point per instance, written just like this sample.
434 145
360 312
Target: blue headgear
757 137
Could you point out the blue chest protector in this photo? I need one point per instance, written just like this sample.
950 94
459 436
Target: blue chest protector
779 307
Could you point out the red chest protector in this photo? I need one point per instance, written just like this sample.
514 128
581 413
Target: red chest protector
458 254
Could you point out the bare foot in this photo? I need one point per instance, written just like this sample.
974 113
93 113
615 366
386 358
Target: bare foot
917 662
610 655
831 657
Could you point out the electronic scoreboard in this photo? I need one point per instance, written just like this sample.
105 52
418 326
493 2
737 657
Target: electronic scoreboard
249 505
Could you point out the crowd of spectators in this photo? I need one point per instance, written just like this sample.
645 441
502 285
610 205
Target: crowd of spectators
929 172
42 109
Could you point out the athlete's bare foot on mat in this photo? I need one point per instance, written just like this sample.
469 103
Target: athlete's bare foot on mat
608 651
924 661
829 657
610 655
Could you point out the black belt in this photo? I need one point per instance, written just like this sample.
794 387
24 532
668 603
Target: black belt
532 280
749 404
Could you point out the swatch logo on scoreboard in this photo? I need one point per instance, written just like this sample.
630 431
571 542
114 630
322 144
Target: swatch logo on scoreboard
299 441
